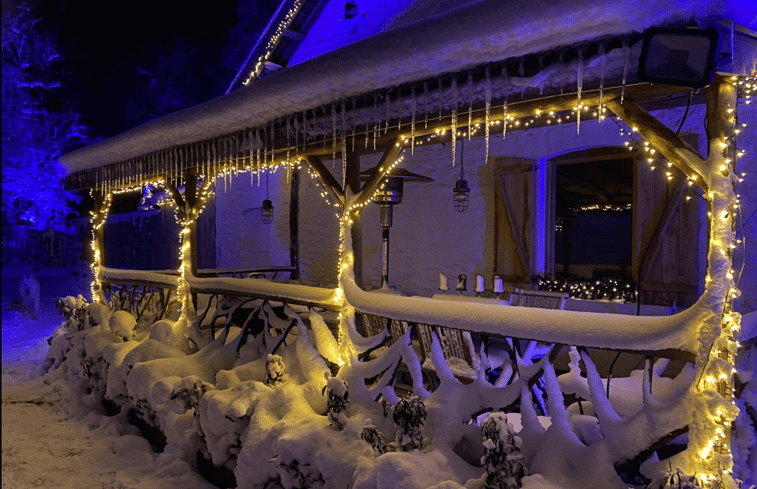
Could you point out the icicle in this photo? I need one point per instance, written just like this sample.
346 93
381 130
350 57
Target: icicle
541 70
559 61
470 104
354 124
579 88
602 65
506 92
344 159
272 135
412 120
333 135
388 102
376 117
627 54
258 151
343 123
343 128
441 98
304 128
225 165
289 142
400 110
425 105
522 73
488 97
454 120
366 124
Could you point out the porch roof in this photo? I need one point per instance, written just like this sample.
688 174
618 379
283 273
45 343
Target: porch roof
466 38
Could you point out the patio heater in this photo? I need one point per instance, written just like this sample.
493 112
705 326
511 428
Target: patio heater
389 195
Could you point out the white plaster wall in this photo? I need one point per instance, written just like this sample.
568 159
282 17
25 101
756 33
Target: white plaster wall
242 240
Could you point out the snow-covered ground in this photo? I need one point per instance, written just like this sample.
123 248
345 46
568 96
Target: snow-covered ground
45 441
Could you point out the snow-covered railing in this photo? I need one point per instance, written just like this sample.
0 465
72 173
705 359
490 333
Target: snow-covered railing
266 289
666 336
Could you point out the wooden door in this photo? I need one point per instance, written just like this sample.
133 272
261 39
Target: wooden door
514 195
666 252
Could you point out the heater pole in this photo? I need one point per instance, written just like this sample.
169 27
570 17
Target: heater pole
386 223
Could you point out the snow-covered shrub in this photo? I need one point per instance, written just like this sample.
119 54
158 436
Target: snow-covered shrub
98 315
122 323
502 457
274 370
295 475
409 416
374 437
75 312
337 390
180 395
674 479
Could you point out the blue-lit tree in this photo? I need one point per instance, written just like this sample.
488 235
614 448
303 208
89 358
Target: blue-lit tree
36 128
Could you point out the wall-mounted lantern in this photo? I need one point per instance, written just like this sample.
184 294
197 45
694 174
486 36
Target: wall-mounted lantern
461 191
266 212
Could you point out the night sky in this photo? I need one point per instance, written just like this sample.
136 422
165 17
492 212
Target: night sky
129 62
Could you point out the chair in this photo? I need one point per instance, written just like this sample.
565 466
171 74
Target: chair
540 298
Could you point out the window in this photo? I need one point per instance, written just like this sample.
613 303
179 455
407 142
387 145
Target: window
350 10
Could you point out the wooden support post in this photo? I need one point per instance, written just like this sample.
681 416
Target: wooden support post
190 197
352 182
99 232
668 143
294 216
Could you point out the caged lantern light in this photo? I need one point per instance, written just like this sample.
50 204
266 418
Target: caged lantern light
266 212
461 191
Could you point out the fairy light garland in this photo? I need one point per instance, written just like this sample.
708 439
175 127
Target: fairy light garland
280 29
718 374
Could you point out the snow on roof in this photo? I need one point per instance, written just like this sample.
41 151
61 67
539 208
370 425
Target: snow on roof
461 39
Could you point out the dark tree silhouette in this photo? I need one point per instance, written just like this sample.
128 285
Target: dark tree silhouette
36 129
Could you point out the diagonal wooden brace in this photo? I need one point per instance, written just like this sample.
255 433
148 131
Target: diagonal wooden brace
672 147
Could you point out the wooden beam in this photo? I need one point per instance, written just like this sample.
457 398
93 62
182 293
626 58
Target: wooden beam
332 186
352 186
389 156
176 195
190 199
661 138
294 217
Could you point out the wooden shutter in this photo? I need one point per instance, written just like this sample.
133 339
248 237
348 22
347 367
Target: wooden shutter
514 190
666 236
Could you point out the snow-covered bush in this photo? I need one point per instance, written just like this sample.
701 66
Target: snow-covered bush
409 416
274 370
374 437
180 395
502 457
75 311
675 479
337 390
295 475
122 324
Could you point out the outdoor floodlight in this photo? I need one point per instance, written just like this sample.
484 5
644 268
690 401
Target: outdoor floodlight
683 57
